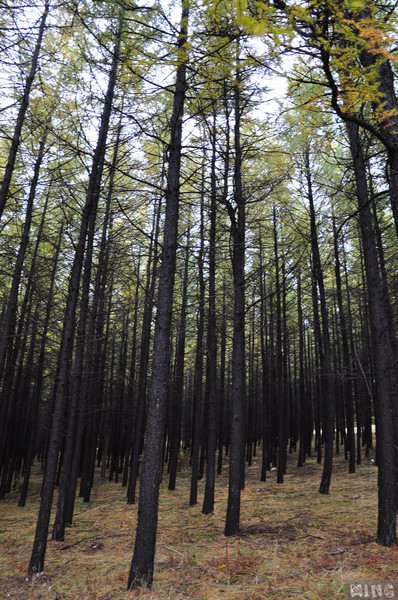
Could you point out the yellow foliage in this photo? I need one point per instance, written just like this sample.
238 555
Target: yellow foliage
375 39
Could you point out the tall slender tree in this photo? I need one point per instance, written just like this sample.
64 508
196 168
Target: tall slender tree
61 384
16 138
142 564
237 215
385 372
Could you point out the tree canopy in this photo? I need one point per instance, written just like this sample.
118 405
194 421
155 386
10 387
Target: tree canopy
192 263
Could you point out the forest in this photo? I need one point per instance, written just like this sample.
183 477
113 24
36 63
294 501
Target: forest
198 253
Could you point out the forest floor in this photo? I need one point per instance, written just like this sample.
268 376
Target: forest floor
294 542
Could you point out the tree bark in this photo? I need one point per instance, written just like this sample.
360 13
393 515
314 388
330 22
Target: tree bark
37 388
62 380
142 564
16 138
325 360
346 359
197 402
145 344
211 374
237 429
7 337
386 384
279 358
178 387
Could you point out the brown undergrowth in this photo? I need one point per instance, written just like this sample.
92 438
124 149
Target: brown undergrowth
294 542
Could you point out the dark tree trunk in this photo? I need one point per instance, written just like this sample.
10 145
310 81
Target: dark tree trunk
386 384
178 388
222 426
145 344
222 403
93 385
7 348
237 429
141 570
131 394
199 354
264 417
61 384
346 360
37 388
279 387
16 139
326 368
383 270
74 397
211 374
388 102
301 395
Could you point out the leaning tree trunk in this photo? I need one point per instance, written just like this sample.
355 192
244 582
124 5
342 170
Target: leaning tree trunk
142 564
386 102
7 336
61 384
386 381
39 375
77 401
145 344
16 138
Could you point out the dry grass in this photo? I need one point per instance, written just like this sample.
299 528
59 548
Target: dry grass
295 543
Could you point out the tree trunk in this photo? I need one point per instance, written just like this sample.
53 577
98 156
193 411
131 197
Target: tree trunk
211 374
178 388
141 570
279 387
62 380
7 337
199 354
388 103
37 388
16 139
325 364
237 430
346 359
386 384
145 344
